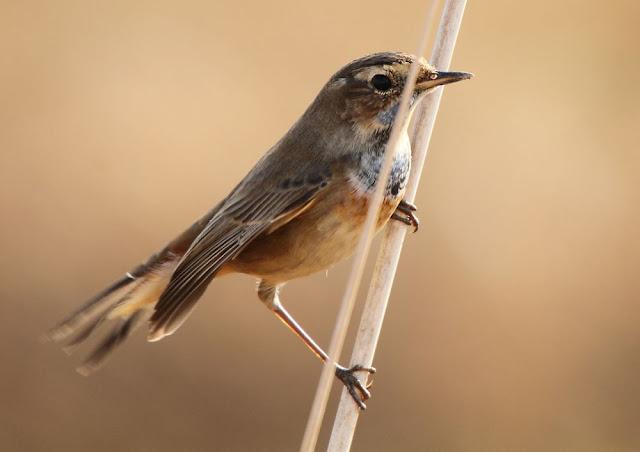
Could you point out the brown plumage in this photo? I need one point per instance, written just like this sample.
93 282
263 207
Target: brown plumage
298 211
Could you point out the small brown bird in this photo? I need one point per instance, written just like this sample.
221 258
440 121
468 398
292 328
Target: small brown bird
299 210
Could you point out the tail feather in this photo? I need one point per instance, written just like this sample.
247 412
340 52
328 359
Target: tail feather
93 309
82 335
126 301
117 336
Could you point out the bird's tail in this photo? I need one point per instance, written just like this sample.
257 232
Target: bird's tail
128 301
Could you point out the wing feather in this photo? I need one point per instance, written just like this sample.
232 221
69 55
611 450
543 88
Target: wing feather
229 231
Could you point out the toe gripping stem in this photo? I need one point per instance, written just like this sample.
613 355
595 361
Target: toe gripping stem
358 391
405 213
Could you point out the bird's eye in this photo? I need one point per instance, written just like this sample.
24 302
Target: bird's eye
381 82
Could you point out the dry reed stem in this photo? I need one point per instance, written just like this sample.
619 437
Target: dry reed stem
389 254
323 390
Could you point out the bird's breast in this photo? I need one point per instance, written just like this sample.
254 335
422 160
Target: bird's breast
329 229
367 167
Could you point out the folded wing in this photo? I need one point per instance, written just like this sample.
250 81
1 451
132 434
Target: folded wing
244 216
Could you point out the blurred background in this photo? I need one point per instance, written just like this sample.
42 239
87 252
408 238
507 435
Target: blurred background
514 322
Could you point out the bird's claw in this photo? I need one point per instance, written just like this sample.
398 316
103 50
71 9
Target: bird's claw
405 212
358 391
405 206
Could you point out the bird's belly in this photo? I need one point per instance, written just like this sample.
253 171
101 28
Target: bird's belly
321 236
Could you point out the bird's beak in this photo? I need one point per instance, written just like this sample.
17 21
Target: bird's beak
433 79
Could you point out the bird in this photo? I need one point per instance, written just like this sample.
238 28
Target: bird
298 211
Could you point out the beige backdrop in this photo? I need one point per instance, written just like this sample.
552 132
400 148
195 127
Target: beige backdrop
514 322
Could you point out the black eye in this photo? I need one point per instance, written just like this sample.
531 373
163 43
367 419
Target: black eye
381 82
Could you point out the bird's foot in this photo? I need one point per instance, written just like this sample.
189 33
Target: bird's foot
358 391
405 212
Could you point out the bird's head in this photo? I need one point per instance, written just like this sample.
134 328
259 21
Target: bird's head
366 92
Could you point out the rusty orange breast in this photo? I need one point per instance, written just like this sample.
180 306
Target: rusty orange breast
355 205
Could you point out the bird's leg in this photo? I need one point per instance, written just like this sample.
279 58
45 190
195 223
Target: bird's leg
268 293
405 212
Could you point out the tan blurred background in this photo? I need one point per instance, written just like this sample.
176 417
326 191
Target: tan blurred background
515 319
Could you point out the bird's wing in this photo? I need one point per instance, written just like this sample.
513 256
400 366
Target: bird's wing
247 213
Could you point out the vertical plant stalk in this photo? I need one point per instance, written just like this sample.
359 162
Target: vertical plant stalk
389 254
316 415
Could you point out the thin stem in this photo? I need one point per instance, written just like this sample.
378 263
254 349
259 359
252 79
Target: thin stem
389 255
323 390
